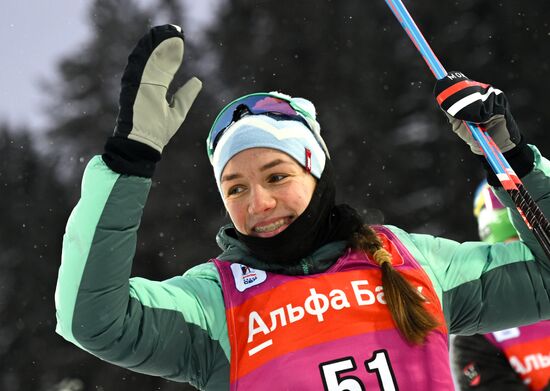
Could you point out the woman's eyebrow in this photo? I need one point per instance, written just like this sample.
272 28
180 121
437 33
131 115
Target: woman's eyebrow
272 164
230 177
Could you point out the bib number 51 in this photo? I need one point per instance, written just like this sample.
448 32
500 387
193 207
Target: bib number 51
379 364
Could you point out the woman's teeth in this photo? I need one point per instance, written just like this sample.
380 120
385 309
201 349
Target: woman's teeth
270 227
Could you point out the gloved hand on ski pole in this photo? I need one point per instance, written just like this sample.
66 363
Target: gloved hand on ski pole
463 99
146 120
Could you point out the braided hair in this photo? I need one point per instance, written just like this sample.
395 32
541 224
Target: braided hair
406 305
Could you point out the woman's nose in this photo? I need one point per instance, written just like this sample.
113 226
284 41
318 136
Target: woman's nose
261 200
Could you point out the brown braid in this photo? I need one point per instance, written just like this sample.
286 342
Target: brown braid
406 305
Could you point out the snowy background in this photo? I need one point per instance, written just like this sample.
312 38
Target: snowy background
37 34
395 158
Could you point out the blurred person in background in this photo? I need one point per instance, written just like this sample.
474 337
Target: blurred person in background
303 295
513 359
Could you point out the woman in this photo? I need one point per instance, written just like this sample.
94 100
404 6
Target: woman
303 295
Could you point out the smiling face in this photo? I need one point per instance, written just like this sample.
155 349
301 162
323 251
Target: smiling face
264 190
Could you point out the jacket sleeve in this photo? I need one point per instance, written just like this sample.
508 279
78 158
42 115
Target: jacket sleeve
537 184
175 328
479 365
486 287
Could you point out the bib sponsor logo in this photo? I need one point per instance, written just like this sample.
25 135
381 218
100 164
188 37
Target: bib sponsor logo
503 335
247 277
283 319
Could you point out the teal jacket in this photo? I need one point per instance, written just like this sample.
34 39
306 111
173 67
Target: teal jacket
177 328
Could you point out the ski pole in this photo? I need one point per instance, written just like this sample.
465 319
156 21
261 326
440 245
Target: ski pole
529 210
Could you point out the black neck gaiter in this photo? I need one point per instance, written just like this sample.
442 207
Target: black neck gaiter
322 222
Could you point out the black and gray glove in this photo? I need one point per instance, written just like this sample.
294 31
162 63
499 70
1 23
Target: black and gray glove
146 120
463 99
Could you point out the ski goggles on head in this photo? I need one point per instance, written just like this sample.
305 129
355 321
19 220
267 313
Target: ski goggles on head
273 104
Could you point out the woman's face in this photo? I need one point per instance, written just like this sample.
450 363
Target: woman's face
264 190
